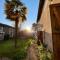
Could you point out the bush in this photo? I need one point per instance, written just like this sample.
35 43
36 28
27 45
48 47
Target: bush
19 55
6 37
44 54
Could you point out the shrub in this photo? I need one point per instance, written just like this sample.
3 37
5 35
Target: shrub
6 37
44 54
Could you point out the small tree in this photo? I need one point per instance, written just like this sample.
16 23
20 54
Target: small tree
15 10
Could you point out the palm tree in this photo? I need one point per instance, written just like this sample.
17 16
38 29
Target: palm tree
15 10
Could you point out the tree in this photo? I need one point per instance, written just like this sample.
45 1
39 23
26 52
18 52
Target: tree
34 26
15 10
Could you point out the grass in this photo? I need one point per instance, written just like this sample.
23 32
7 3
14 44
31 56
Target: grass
7 49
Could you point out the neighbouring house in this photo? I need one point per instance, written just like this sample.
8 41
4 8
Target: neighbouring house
49 17
6 30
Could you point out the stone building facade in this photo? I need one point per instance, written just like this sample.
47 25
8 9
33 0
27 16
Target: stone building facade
6 29
49 17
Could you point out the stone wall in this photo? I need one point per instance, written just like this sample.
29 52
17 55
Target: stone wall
46 21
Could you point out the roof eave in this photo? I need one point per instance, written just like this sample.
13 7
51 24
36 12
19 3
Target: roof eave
41 4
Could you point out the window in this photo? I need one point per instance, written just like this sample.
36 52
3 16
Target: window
1 29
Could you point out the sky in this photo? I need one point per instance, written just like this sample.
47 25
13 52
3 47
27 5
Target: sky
32 7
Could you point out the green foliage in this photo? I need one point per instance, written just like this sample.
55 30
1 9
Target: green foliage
6 37
7 49
19 55
44 54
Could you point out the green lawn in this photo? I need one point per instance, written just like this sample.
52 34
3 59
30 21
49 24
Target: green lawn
7 49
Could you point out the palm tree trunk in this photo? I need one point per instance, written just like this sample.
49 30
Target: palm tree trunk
16 32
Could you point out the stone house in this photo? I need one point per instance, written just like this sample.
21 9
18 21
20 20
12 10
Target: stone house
49 17
6 29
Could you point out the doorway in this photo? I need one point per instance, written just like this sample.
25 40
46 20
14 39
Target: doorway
40 36
55 23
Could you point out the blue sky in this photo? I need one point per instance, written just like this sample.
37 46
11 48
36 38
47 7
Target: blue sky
32 6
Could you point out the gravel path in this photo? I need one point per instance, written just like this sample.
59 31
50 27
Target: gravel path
32 53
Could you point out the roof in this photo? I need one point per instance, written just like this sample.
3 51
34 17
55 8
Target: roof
41 4
5 25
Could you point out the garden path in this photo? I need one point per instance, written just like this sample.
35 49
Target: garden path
32 52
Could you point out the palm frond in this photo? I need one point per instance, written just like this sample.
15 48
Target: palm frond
23 18
9 10
24 10
6 1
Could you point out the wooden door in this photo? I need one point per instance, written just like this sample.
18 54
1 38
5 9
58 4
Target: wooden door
55 23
